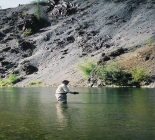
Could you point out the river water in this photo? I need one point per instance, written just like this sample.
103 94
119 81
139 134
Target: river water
94 114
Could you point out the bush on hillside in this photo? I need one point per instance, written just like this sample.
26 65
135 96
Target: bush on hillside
27 32
138 75
86 68
113 74
12 79
35 2
149 42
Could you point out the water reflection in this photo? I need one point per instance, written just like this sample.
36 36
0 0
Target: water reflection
62 114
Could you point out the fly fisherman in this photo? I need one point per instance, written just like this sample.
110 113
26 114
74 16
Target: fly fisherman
62 90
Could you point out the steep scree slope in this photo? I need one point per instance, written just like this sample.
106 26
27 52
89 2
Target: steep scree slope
91 28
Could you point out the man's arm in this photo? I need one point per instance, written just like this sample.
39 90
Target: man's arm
66 89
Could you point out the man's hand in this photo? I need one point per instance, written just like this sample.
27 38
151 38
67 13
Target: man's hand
75 92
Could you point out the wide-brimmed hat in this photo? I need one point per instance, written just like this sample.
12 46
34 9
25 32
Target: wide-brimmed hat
65 81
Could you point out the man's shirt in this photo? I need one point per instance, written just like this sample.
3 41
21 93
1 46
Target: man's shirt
62 89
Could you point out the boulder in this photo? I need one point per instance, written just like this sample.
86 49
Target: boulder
2 70
2 58
24 45
7 64
24 48
1 35
28 68
63 8
33 23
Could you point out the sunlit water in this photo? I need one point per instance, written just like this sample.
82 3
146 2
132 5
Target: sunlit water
94 114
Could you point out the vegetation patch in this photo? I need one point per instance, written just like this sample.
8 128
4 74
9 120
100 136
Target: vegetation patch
34 83
86 68
138 75
10 80
37 14
149 42
114 74
36 2
27 32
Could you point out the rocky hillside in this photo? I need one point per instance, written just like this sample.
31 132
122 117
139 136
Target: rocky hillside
45 42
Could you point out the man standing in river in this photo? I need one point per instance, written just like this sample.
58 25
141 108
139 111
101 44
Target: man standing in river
62 90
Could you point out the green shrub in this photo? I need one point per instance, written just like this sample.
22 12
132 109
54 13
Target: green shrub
27 32
34 83
3 83
138 75
100 72
86 68
35 2
149 42
37 14
113 74
12 79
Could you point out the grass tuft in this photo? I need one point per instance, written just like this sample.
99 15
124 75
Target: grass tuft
149 42
27 32
86 68
12 79
34 83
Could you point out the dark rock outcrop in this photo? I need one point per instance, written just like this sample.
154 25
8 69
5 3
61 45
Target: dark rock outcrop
118 52
28 68
33 23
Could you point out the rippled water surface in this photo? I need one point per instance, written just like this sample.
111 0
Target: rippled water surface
94 114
